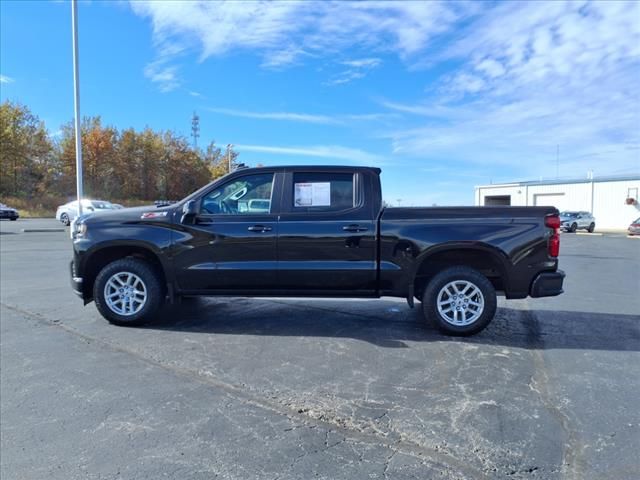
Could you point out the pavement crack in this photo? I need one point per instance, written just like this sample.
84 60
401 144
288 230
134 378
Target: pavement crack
387 463
352 433
573 455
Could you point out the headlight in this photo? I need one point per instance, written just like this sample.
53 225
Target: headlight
78 230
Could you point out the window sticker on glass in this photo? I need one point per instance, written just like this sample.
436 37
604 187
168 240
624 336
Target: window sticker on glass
316 194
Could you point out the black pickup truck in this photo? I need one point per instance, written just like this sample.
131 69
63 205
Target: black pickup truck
315 232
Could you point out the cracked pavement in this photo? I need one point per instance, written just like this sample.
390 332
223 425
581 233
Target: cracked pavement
300 388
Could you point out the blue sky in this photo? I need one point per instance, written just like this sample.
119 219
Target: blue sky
441 96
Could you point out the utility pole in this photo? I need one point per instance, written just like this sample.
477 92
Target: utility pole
76 102
195 129
229 147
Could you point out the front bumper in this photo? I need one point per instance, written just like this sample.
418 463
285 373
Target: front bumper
76 282
547 284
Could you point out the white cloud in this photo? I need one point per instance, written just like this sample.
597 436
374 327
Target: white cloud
294 117
346 77
338 119
6 79
162 74
285 33
536 75
363 63
357 69
335 152
521 77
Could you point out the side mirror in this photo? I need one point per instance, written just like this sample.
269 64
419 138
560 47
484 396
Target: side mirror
189 212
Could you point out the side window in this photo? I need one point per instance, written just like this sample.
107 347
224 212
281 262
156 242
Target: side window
323 192
248 195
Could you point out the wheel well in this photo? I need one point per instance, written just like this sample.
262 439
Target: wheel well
98 260
484 262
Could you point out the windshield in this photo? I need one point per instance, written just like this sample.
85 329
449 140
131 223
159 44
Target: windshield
100 205
569 214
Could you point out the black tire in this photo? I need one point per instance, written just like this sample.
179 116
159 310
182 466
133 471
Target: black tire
459 274
64 218
151 283
13 219
592 227
574 227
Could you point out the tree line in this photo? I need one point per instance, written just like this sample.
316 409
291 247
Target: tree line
117 164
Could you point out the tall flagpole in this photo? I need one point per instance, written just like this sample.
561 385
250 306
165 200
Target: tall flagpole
76 101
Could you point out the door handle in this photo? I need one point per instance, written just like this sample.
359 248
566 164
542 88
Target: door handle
354 228
259 228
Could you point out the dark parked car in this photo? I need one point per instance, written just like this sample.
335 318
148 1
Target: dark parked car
315 231
8 212
634 228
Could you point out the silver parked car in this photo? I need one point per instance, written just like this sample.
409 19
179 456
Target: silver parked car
572 221
69 211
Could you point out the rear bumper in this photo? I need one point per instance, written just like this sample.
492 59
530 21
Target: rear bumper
76 282
547 284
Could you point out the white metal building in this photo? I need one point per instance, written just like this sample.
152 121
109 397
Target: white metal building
605 197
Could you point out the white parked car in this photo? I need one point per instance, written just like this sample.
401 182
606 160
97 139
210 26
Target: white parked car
69 211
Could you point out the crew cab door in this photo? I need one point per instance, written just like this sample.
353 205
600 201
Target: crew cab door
231 243
326 234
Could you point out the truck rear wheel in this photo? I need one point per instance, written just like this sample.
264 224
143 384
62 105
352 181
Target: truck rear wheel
127 292
460 301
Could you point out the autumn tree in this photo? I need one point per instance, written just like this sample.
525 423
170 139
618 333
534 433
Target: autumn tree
218 161
26 152
117 164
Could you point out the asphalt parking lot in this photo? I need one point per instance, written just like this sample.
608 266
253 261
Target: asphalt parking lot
296 389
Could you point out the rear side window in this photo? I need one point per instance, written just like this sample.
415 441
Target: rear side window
323 192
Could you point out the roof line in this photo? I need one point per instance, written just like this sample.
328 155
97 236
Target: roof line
603 178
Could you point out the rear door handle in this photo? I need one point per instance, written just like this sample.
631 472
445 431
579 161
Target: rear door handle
354 228
259 228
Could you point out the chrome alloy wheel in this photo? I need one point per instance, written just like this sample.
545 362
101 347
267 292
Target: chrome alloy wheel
125 293
460 303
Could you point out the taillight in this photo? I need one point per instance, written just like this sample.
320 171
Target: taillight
552 221
553 247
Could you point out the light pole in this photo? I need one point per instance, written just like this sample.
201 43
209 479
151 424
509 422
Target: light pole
229 147
76 101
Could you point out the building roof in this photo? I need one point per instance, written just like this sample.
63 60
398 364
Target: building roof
563 181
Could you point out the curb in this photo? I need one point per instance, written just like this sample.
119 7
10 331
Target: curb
42 230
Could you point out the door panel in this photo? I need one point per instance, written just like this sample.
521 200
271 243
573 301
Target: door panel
319 254
326 250
231 244
228 253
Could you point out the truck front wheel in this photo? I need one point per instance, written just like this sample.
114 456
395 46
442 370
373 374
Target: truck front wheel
460 301
127 292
